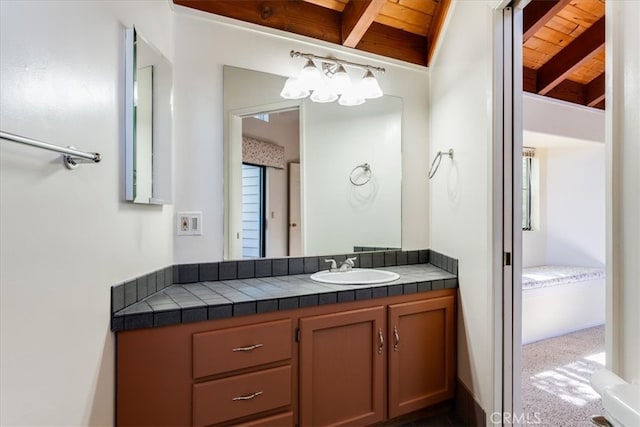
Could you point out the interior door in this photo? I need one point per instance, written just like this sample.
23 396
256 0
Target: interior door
295 219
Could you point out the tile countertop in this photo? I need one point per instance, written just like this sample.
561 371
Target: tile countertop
201 301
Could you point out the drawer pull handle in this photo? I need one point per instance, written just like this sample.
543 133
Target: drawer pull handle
248 397
249 348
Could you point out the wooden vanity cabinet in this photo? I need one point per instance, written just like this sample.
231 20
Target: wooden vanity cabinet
356 363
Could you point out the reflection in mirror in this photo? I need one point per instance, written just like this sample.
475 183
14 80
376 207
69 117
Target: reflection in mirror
148 119
289 167
143 134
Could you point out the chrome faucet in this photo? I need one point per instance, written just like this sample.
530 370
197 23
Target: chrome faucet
333 267
348 264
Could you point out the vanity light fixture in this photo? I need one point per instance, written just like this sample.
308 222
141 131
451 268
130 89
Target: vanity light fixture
331 81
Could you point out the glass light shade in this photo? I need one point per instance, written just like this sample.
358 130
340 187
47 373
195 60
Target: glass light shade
369 87
351 97
340 81
293 89
310 76
324 93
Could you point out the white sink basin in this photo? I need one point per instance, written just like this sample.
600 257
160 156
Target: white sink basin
356 276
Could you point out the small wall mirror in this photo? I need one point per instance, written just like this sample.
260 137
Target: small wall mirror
148 122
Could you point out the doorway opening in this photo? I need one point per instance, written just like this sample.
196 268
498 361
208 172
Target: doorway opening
563 281
554 293
270 205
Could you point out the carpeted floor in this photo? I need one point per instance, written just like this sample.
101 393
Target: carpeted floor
555 379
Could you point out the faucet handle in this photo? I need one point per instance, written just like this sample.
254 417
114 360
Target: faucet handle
333 263
350 261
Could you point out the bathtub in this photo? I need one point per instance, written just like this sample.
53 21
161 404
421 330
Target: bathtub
557 300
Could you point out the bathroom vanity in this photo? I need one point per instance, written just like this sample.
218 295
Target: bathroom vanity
342 354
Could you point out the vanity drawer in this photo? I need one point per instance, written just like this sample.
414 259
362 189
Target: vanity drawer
280 420
242 395
230 349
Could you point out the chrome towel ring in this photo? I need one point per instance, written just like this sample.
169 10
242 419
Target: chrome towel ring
437 160
366 171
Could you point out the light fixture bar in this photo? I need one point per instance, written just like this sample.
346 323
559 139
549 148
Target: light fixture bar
336 61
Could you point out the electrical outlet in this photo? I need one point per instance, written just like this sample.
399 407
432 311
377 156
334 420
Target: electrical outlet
189 223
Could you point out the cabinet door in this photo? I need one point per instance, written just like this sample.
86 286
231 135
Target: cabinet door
342 366
421 354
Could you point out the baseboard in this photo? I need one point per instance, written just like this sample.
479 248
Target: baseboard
467 409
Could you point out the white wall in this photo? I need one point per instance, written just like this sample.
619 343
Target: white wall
460 206
551 124
563 119
570 225
66 235
575 204
199 118
623 187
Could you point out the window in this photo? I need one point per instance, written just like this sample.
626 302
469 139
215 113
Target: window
253 204
262 116
527 160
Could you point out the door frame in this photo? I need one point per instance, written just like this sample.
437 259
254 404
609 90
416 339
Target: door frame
233 175
290 207
507 211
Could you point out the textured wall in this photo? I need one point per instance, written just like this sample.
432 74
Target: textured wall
66 235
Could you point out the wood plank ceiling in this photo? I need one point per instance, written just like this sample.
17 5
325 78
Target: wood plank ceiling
563 50
563 42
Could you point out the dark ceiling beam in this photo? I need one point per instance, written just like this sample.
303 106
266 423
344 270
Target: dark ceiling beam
529 78
318 22
567 90
294 16
357 16
394 43
439 15
595 91
537 13
579 51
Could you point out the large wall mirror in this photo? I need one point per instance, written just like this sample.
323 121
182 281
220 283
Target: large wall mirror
304 178
148 122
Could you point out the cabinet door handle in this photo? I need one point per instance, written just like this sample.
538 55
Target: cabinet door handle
248 348
247 397
396 337
380 341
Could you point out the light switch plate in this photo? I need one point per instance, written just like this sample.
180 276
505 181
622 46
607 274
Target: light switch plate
189 224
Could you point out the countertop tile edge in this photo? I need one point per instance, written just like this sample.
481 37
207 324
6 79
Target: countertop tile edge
418 278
